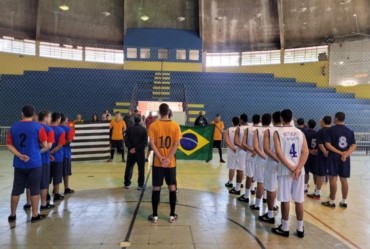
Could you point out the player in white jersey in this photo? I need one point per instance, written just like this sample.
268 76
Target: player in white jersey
270 176
292 150
231 151
241 154
260 160
247 144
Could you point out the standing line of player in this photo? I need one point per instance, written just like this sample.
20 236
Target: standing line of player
274 156
42 156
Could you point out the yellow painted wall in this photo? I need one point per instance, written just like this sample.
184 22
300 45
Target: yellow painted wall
167 66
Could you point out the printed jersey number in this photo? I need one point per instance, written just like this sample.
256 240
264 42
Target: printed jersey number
293 151
165 142
23 138
343 142
313 143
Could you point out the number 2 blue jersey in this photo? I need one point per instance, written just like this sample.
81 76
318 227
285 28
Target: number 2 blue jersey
26 137
340 136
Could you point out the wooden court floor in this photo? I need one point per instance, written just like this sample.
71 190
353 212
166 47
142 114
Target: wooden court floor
102 214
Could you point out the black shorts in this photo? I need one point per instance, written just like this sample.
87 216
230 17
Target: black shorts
116 144
45 177
29 178
321 166
216 143
56 172
159 173
310 164
339 168
67 167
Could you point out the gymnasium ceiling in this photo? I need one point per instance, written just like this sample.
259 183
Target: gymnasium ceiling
224 25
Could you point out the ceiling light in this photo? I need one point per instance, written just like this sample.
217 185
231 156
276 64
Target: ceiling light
144 18
354 15
218 18
348 83
303 9
106 13
345 1
64 7
341 63
181 19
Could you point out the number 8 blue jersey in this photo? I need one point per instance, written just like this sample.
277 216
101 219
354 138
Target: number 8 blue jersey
340 136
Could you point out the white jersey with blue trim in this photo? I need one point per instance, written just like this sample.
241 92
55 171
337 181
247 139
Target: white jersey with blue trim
231 133
291 142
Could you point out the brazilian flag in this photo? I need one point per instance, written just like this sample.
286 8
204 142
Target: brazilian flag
196 143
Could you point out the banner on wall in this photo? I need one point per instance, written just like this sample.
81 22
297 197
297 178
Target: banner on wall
196 143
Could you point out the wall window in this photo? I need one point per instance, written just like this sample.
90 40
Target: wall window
145 53
181 54
60 51
104 55
194 55
131 53
299 55
261 58
222 59
162 54
11 45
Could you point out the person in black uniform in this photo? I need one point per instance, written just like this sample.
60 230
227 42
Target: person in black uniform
136 141
310 134
201 120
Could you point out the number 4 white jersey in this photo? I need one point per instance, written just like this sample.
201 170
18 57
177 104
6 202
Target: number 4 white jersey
291 141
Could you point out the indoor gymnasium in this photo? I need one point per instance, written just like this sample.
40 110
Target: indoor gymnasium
184 124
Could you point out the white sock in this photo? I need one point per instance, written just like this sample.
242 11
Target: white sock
276 203
230 182
237 186
270 214
331 201
344 201
317 192
257 203
264 194
285 225
247 193
253 185
300 225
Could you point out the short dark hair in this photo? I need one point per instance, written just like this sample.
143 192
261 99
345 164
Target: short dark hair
42 115
118 112
311 124
327 120
235 121
136 110
266 119
217 115
276 117
63 117
300 121
256 119
137 120
244 117
164 109
55 116
340 116
28 111
287 115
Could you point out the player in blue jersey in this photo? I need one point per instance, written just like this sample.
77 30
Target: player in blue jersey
25 140
57 156
67 166
310 134
320 170
340 141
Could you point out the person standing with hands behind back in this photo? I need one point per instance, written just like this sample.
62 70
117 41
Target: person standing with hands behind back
217 137
165 136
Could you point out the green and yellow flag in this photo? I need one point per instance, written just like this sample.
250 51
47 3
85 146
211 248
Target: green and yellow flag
196 143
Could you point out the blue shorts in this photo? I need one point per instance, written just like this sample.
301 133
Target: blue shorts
339 168
29 178
67 167
56 172
45 177
321 166
310 164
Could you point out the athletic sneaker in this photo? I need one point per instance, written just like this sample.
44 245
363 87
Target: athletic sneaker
300 234
327 204
264 200
228 185
279 231
233 191
12 218
37 218
253 192
110 160
314 196
68 191
267 219
47 206
173 218
343 205
253 207
276 208
243 199
306 191
123 160
222 161
140 187
153 219
58 197
27 206
126 187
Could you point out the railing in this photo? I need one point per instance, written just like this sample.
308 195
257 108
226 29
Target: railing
3 133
